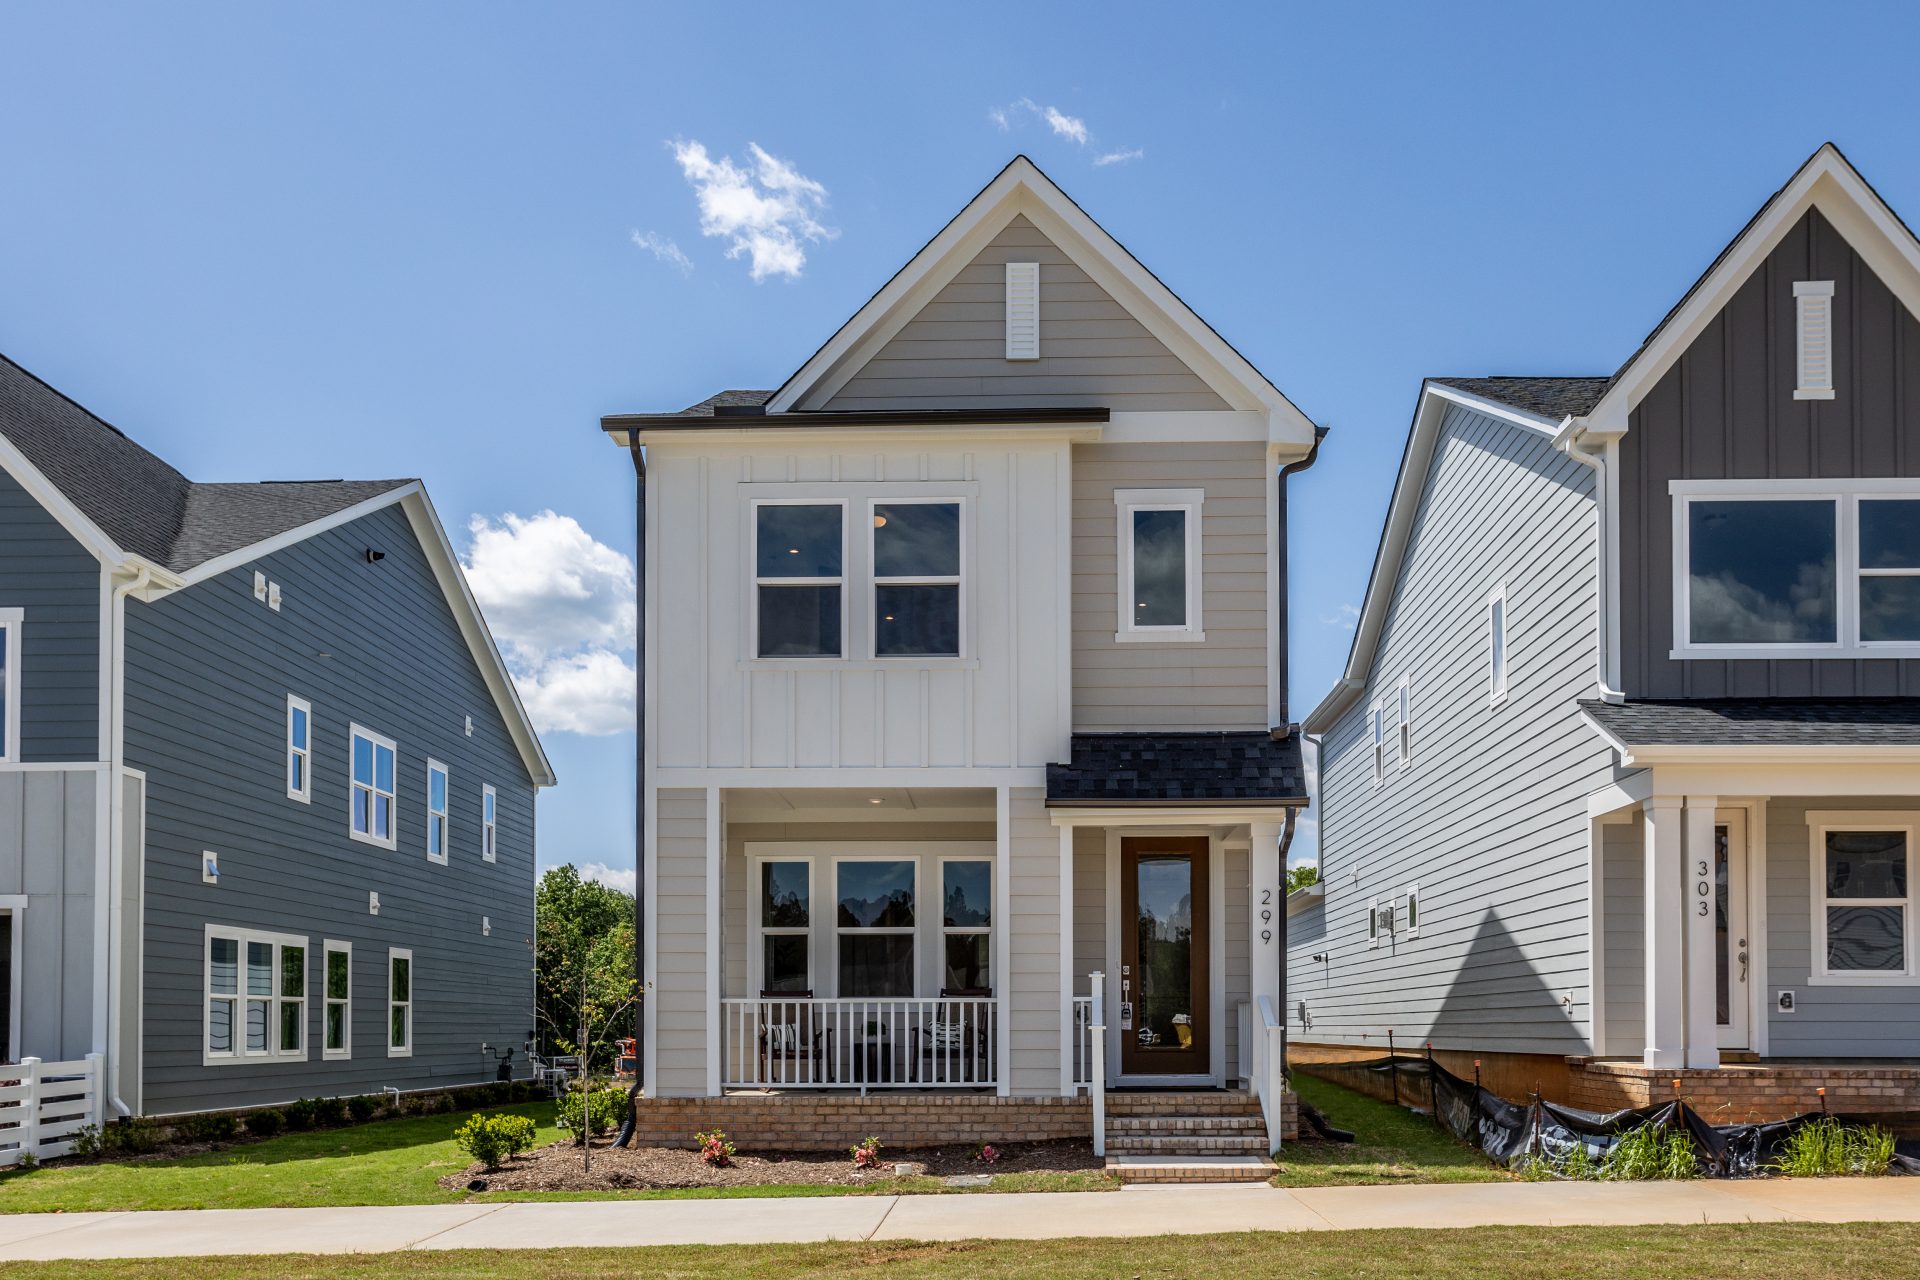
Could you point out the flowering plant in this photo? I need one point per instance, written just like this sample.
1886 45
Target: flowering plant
716 1148
867 1154
987 1154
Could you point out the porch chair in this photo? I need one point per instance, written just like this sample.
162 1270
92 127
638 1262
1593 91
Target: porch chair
787 1035
953 1048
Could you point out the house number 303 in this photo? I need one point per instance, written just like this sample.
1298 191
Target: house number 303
1703 889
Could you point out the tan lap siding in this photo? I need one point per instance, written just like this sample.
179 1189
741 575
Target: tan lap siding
680 972
1034 945
1089 907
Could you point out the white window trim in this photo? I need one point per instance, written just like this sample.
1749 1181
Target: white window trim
489 824
304 792
1377 739
1128 501
240 998
388 1003
1499 656
1819 823
1403 720
1807 296
1413 911
759 932
961 930
1373 924
1846 495
439 816
916 931
327 948
756 581
875 581
1022 311
15 621
392 839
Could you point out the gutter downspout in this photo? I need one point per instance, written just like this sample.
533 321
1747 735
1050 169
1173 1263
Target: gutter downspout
1568 439
1280 936
640 798
111 883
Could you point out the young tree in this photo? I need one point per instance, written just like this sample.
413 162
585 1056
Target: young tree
583 957
1302 876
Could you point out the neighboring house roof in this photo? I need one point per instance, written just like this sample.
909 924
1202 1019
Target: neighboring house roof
1179 768
136 513
726 400
1547 397
1759 722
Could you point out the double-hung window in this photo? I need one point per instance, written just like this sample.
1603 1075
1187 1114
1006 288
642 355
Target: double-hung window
436 812
12 623
337 1022
874 923
786 926
966 924
916 579
1159 556
399 1002
299 749
256 986
370 801
489 823
799 560
1863 906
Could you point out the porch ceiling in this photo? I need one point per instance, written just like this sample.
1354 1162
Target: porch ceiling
843 804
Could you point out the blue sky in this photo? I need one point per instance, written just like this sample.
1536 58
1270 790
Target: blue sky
433 239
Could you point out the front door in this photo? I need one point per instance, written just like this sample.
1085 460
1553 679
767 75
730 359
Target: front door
1164 954
1730 953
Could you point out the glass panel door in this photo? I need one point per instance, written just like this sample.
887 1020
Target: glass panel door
1164 957
1731 956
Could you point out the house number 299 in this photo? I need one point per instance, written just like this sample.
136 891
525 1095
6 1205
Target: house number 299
1703 888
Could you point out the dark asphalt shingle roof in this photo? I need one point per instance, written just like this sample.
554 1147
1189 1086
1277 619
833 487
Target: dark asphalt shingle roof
145 506
733 399
1196 768
1548 397
1743 722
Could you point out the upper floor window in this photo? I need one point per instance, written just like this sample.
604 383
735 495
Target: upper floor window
299 749
916 579
1797 568
370 803
1403 698
799 578
1159 556
1377 727
1497 645
12 622
489 824
436 812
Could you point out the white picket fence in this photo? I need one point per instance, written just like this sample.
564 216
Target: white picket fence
44 1105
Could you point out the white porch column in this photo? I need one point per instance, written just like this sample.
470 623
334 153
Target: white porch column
1002 951
1666 1002
1703 1031
1266 899
1067 1088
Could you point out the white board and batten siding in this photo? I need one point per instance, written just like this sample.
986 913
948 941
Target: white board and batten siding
1490 819
49 818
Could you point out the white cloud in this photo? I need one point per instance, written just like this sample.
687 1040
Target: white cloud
562 607
767 211
621 878
664 250
1119 157
1344 617
1072 128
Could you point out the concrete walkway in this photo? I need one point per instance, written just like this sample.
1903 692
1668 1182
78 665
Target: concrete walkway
1136 1211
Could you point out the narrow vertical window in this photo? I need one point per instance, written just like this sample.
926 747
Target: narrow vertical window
916 579
489 828
786 927
1373 924
1413 911
1404 708
223 994
299 749
399 1003
436 812
292 1018
799 578
370 800
1160 564
1497 646
12 622
338 1020
1023 311
1377 727
966 925
1813 314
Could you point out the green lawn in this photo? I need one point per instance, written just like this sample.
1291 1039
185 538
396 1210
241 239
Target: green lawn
1391 1145
1804 1252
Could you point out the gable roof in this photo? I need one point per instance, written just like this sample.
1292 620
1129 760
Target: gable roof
135 512
1547 397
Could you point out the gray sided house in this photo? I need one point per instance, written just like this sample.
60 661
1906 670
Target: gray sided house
1620 779
266 791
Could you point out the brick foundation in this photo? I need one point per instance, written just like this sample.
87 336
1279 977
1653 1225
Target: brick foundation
834 1122
1747 1094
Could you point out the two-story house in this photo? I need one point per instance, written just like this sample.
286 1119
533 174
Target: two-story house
964 681
1621 785
266 789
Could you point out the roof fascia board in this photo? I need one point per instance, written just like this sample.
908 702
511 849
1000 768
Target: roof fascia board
1547 426
762 437
60 507
1106 813
280 541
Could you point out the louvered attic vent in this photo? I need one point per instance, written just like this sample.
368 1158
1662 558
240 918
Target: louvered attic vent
1023 311
1813 301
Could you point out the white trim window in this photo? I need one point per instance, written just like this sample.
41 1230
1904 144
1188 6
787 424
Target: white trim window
370 812
1158 535
966 924
1497 645
12 625
1813 339
1796 568
399 1002
1403 707
299 749
782 958
918 601
489 824
876 899
1377 731
336 979
1413 911
799 577
1373 924
1863 898
438 785
256 996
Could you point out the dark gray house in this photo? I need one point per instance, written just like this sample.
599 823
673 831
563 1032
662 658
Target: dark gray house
266 789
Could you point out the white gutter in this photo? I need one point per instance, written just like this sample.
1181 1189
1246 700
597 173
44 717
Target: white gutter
107 948
1568 440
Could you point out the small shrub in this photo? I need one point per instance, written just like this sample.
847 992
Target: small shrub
86 1143
218 1127
523 1091
1825 1148
867 1154
494 1139
27 1161
330 1111
302 1113
499 1093
131 1136
364 1108
987 1154
716 1148
607 1109
265 1124
446 1102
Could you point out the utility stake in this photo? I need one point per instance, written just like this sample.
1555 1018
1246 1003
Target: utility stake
1393 1069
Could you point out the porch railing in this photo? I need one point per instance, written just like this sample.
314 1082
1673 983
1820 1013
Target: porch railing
935 1043
1082 1042
1268 1067
44 1105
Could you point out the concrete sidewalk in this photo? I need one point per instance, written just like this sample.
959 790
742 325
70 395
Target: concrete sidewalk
1136 1211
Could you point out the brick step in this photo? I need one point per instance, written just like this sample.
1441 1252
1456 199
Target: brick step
1152 1168
1182 1104
1186 1144
1186 1124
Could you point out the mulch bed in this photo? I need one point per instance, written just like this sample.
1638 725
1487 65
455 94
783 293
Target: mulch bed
557 1167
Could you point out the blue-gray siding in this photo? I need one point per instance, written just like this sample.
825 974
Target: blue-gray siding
47 850
209 671
44 571
1490 819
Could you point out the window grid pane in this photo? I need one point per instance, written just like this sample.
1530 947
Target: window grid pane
1762 572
